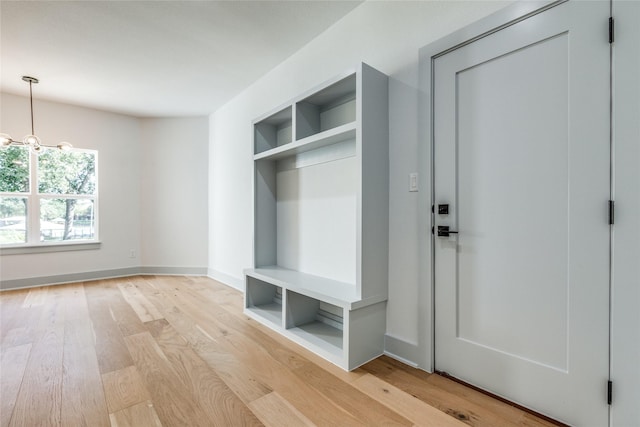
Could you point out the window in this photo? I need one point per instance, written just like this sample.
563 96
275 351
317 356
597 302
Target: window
47 198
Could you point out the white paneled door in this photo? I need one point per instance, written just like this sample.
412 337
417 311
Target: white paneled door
521 177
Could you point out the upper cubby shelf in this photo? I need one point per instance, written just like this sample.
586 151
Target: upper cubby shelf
274 131
324 118
327 109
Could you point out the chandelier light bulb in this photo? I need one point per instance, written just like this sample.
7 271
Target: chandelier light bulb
31 140
5 140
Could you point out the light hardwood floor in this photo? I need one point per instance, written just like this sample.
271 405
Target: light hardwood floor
177 351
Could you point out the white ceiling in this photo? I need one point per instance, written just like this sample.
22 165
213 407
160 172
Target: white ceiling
152 58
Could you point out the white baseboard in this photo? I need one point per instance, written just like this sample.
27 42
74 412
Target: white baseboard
226 279
404 351
31 282
173 271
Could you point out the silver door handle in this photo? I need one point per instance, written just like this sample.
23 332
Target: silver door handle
443 231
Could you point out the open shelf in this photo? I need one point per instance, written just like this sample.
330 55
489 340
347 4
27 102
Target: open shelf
274 131
264 300
306 319
326 338
335 135
326 109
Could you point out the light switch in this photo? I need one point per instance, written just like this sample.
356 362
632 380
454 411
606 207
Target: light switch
413 181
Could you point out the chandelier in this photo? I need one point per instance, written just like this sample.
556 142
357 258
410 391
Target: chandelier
31 141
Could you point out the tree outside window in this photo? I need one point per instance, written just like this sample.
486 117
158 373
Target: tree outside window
47 198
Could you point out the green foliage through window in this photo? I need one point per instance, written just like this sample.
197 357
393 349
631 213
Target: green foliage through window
14 170
65 195
13 217
65 172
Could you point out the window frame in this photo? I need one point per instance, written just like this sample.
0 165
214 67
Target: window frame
33 244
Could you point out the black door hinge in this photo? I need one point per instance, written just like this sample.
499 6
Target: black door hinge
611 212
611 29
609 392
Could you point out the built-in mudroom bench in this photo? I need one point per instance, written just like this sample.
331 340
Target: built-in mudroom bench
321 207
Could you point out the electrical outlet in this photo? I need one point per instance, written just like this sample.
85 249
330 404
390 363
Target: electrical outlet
413 181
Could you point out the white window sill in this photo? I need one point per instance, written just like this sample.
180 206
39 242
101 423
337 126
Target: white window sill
57 247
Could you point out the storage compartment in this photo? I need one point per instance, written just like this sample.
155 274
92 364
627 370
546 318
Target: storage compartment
327 109
317 322
264 300
274 131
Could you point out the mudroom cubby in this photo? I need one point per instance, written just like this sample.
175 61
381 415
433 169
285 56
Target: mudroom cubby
315 321
321 218
327 109
274 131
265 300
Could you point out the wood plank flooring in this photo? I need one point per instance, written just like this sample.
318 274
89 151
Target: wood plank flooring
178 351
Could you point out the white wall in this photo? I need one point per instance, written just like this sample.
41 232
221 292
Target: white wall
116 137
174 182
152 193
387 36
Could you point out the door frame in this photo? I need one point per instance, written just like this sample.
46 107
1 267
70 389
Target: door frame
484 27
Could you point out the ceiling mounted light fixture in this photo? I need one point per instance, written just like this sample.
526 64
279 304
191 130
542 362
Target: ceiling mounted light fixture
31 141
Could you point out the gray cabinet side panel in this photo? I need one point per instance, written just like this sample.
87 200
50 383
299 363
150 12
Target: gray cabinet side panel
375 182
